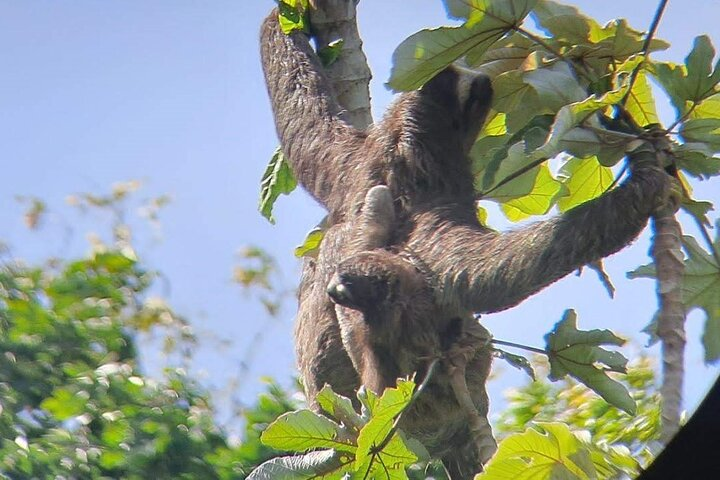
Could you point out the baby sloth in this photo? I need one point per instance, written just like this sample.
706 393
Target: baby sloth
391 328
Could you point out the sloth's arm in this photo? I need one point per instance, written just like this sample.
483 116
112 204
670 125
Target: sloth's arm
485 271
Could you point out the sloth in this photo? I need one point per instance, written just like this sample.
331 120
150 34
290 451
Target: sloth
420 152
391 328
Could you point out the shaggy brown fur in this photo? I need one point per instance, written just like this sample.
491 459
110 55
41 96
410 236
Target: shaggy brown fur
420 151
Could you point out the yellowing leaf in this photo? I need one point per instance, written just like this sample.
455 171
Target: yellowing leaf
538 201
586 179
552 452
311 244
640 103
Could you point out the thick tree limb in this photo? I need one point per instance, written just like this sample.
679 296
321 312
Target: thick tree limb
349 75
670 318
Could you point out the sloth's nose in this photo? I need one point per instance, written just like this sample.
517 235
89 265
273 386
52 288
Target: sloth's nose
339 292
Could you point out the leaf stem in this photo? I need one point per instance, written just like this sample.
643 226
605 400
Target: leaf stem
418 391
708 239
646 46
518 345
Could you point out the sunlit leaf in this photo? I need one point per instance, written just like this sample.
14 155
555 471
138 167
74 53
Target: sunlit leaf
640 103
385 410
426 53
549 451
585 179
277 179
537 202
302 430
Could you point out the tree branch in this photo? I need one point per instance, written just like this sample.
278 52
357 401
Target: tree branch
349 75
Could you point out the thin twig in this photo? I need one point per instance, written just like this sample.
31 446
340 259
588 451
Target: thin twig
514 175
415 396
646 46
518 345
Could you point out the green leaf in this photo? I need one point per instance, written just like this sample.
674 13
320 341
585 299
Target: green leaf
310 246
302 430
426 53
585 179
700 289
552 453
698 210
330 53
65 404
537 202
318 465
392 402
577 353
702 130
564 22
293 16
338 407
693 82
517 361
277 179
701 78
640 103
696 158
556 86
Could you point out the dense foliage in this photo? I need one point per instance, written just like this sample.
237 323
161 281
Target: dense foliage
74 402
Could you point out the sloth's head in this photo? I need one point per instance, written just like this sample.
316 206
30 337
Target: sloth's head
374 282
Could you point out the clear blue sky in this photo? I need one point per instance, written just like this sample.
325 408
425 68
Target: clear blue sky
171 92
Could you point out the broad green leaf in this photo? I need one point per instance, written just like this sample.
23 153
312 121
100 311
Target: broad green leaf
701 77
338 407
692 82
564 22
318 465
537 202
577 353
696 158
500 181
512 93
671 77
708 108
277 179
697 209
392 402
312 242
556 86
552 453
426 53
700 289
640 103
390 462
303 430
702 130
585 179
